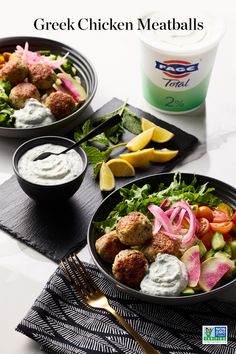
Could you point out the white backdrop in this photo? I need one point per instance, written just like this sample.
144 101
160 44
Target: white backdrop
115 56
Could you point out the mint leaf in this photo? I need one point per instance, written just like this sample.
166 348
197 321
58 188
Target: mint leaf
101 139
131 122
114 133
94 155
86 127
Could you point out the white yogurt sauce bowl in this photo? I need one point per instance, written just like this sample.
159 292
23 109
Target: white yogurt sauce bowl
54 178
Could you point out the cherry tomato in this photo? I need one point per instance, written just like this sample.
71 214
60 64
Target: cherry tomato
227 209
204 226
234 217
206 239
223 227
219 216
205 212
227 237
233 230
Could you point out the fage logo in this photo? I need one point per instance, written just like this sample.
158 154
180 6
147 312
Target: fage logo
176 68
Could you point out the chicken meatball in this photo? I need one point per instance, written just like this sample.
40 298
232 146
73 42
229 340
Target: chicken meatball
15 70
160 243
22 92
108 246
42 76
61 104
134 229
129 267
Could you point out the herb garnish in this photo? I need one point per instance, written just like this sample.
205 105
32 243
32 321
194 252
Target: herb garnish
113 135
95 156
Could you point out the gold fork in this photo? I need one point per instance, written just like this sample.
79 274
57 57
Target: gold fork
94 297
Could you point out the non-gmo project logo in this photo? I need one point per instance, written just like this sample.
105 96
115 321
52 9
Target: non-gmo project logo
214 334
176 68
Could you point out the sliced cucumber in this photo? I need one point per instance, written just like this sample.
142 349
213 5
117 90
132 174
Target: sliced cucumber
202 248
221 254
233 249
217 241
228 250
188 291
209 254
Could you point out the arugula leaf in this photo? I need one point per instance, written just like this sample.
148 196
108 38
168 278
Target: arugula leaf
138 198
68 67
6 111
5 87
6 121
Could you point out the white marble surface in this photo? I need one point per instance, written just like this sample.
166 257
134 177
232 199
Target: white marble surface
23 272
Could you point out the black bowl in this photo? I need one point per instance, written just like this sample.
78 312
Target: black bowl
48 193
86 72
223 190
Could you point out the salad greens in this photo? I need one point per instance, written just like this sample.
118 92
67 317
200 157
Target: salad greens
67 66
138 198
130 121
6 110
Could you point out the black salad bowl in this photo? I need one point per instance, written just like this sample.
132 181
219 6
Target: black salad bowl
224 191
85 70
48 193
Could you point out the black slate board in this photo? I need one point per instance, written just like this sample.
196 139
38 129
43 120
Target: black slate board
54 231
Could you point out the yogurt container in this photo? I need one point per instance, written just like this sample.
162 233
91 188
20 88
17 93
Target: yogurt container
176 64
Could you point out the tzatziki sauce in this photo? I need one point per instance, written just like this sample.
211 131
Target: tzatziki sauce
53 170
167 276
34 114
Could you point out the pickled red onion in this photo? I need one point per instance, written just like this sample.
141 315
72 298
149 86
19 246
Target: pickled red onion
172 228
36 58
161 217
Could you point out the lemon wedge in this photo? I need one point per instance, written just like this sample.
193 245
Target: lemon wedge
163 155
121 168
139 158
106 178
141 140
160 135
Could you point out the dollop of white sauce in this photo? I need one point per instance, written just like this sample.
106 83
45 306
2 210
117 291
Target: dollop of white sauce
167 276
52 170
183 39
34 114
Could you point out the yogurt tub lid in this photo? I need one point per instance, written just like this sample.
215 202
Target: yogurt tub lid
182 42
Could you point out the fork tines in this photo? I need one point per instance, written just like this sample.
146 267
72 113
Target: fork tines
79 276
